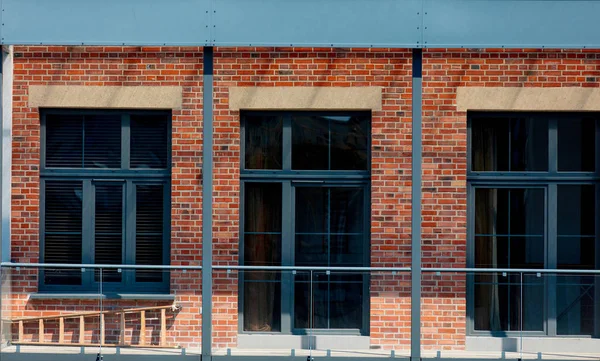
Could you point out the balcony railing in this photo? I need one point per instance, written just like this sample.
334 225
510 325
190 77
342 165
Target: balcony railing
282 312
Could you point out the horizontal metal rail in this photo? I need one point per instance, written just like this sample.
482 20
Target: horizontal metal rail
316 268
509 270
303 268
96 266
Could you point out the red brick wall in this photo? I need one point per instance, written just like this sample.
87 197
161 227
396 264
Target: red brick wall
445 162
390 179
110 66
444 168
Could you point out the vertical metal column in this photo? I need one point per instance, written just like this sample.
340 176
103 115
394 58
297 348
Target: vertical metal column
207 206
415 292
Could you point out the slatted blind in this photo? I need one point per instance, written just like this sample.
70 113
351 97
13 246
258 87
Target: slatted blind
62 230
108 229
102 146
149 230
83 141
149 141
64 141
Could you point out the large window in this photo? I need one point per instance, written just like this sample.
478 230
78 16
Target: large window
105 198
533 203
305 183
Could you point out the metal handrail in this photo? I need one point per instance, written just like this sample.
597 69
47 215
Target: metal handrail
303 268
97 266
510 270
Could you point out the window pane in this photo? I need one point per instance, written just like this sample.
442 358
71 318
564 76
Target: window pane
108 230
62 223
527 209
509 144
302 304
347 210
347 251
262 207
491 252
311 209
509 252
489 144
64 141
576 210
498 303
149 231
262 305
264 145
529 145
149 140
336 303
575 293
102 141
332 142
576 145
310 142
515 211
349 142
262 249
491 211
311 250
346 305
575 305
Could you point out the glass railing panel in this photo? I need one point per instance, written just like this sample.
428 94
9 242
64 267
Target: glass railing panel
159 315
511 315
135 313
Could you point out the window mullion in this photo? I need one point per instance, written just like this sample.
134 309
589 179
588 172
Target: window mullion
129 244
287 257
125 141
287 142
552 146
87 235
551 262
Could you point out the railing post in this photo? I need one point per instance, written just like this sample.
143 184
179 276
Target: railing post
415 294
61 330
207 195
143 328
81 329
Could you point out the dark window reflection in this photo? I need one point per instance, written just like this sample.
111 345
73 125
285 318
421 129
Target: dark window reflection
330 142
262 247
329 232
576 250
498 302
264 142
576 209
509 144
576 145
509 226
337 302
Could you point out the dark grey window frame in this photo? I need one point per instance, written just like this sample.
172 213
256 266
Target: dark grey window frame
290 180
129 178
548 180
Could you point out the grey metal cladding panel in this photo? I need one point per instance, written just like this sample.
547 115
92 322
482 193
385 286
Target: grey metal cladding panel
353 23
105 22
512 23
